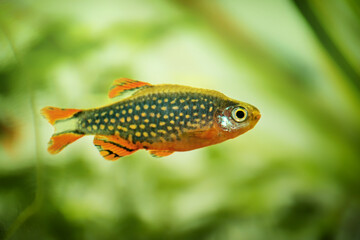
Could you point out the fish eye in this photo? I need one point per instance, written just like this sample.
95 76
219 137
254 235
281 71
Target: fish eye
239 114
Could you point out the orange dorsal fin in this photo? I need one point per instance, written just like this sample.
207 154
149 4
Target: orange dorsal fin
112 147
59 141
124 85
160 153
53 114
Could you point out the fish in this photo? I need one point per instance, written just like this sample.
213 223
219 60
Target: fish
161 119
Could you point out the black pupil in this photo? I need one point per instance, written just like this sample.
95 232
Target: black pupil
240 114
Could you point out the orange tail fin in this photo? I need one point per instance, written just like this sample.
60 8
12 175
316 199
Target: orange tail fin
53 114
64 137
59 141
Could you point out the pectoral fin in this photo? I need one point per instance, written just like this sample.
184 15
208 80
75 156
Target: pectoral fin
205 134
124 85
112 147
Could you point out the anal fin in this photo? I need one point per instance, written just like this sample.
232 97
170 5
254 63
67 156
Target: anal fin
160 153
124 85
112 147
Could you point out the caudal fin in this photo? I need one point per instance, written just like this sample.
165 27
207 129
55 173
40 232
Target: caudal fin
59 141
60 117
53 114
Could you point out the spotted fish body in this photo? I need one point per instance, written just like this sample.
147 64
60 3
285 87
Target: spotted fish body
159 118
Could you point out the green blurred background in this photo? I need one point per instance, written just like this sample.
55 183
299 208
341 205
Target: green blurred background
296 175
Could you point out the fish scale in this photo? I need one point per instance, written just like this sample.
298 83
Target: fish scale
159 118
170 116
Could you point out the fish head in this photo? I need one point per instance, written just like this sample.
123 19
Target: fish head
235 118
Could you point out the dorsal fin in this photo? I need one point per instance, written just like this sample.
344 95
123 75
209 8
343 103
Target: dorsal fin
124 85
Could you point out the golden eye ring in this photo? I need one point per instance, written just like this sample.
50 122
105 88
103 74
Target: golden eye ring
239 114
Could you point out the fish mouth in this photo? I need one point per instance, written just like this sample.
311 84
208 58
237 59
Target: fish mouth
256 115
